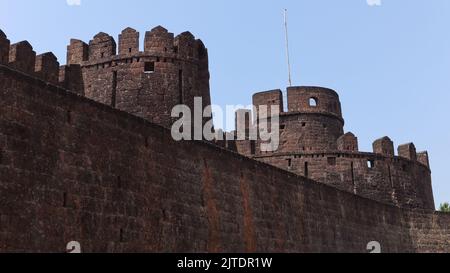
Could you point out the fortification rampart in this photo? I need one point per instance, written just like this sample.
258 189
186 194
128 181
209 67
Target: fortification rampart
67 175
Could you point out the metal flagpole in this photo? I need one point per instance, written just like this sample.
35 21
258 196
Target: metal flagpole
287 47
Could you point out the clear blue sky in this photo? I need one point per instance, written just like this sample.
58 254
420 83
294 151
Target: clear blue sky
389 63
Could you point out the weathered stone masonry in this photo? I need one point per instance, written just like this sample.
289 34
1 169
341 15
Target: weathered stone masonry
75 169
170 71
313 144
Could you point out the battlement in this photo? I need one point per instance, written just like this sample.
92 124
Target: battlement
313 99
269 99
101 47
408 151
348 143
158 43
47 67
302 99
128 42
383 146
77 52
423 158
21 56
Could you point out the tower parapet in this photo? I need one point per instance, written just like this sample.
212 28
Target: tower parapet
22 57
128 42
184 46
423 158
47 67
170 71
384 146
77 52
313 100
159 40
313 121
408 151
102 46
267 99
348 143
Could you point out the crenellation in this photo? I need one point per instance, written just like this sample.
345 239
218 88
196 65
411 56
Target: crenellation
128 42
407 151
348 142
159 40
101 47
47 67
423 158
71 78
22 57
384 146
77 52
185 45
4 48
313 100
267 99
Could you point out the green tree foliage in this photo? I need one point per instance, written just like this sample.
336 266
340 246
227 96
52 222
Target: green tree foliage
445 207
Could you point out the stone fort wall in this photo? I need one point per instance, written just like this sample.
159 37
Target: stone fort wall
75 169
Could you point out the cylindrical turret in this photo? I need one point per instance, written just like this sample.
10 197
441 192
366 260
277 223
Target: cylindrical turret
313 121
314 100
170 71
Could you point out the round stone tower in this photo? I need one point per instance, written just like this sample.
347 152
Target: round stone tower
312 143
313 121
149 83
